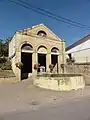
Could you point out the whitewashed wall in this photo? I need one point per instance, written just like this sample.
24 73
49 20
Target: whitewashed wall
81 53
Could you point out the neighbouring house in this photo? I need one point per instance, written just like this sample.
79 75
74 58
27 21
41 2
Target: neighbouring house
80 50
34 45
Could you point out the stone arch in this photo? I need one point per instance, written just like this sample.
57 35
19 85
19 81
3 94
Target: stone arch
24 43
54 58
42 33
54 50
27 47
42 49
42 53
26 59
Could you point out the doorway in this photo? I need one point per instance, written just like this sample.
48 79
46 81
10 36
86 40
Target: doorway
42 60
26 59
54 61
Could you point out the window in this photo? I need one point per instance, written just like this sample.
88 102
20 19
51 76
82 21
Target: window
41 33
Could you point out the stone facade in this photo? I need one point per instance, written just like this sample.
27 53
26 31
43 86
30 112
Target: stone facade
36 40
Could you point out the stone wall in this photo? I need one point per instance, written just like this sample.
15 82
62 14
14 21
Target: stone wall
81 68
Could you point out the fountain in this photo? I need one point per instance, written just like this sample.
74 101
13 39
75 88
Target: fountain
59 82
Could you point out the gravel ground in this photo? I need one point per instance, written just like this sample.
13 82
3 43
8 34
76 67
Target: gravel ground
24 95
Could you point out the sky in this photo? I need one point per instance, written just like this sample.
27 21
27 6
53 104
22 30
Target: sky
14 17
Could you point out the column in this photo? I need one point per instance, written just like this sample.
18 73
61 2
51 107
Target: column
48 62
59 71
34 60
61 61
18 70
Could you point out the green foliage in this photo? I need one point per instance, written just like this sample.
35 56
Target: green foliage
1 47
6 65
2 60
4 46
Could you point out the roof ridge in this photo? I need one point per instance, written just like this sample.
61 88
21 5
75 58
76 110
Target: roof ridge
78 42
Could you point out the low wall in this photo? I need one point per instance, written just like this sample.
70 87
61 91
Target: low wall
81 68
7 76
59 83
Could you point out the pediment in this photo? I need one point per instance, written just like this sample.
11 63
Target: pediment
40 31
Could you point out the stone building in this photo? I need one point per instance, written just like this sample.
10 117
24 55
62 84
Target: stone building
37 44
80 50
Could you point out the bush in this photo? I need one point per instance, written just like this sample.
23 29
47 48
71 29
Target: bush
2 60
36 66
6 65
19 65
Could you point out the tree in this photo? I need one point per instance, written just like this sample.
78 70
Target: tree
5 47
5 64
1 47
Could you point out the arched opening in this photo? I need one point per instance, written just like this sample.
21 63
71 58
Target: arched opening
42 51
26 47
54 58
54 50
26 59
42 33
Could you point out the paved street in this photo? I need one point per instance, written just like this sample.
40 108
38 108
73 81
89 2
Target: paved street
78 109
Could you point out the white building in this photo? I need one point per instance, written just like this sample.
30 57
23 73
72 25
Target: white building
80 50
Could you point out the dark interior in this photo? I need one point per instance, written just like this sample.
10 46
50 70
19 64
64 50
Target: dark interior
26 59
70 56
42 60
54 60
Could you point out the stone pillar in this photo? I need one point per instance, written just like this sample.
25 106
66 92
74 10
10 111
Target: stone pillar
18 70
34 60
48 62
59 69
61 61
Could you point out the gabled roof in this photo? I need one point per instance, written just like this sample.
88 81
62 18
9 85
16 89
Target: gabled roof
37 26
78 42
26 29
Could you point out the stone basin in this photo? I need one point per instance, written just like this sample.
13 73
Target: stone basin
60 82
